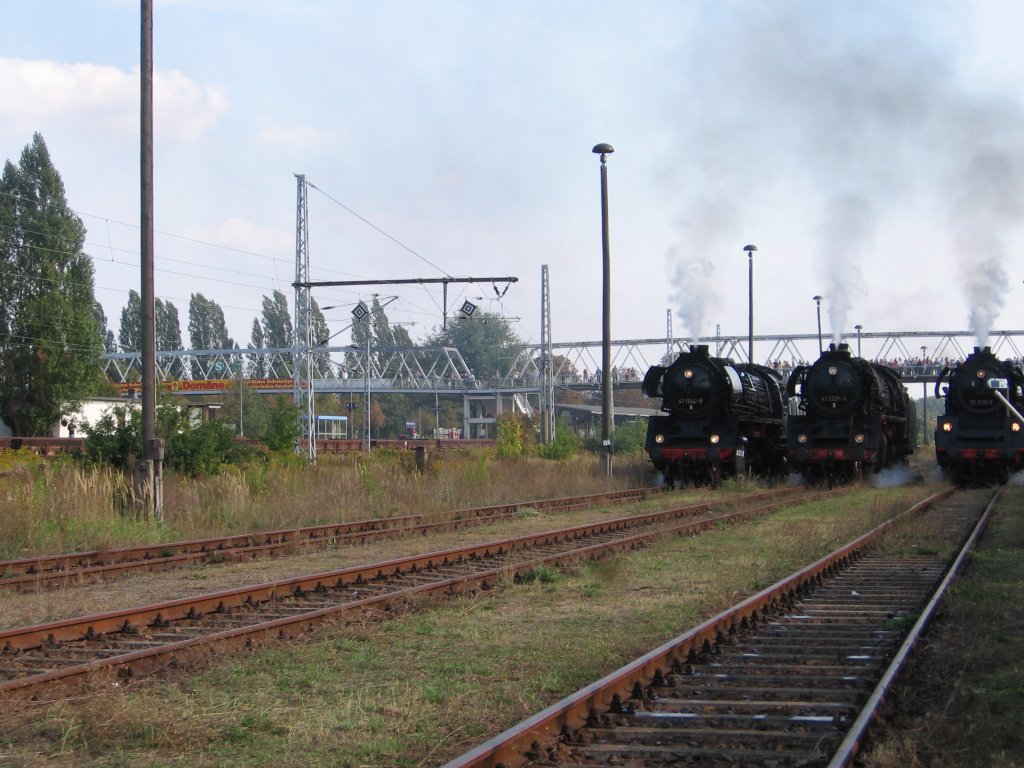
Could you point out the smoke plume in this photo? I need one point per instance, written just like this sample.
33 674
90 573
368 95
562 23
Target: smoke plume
855 122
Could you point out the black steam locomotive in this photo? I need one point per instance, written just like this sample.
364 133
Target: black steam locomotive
980 437
852 416
722 419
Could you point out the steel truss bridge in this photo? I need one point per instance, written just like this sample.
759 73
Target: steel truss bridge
525 382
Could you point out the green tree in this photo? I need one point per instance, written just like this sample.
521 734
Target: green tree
319 333
276 326
486 341
129 334
49 337
256 367
630 438
283 427
206 330
168 335
107 340
510 437
277 321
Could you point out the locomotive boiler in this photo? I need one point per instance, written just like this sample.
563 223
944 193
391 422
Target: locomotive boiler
720 419
852 416
979 438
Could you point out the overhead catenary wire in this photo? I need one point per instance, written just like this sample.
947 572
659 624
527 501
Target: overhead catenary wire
99 262
390 237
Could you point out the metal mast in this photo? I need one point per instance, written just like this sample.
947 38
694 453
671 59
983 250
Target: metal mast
668 336
547 391
301 390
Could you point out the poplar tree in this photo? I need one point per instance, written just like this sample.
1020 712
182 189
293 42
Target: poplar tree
257 365
168 329
50 342
206 330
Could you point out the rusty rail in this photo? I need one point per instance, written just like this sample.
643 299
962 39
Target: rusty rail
590 715
77 568
127 643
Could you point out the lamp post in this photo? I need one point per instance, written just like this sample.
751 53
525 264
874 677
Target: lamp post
817 301
750 301
606 320
858 327
924 400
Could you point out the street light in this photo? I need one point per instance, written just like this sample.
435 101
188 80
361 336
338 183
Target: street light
817 301
606 317
750 303
858 328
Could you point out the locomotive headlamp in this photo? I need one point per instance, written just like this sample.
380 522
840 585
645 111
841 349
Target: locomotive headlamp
659 439
688 374
980 373
832 370
1014 427
715 439
947 426
801 439
858 439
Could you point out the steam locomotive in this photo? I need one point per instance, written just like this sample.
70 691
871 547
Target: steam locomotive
721 419
851 416
979 438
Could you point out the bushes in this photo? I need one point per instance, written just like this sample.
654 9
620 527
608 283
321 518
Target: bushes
565 445
194 449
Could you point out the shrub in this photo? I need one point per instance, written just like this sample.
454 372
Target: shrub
565 445
283 426
510 437
630 437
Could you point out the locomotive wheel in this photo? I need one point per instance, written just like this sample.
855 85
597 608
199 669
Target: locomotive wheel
715 474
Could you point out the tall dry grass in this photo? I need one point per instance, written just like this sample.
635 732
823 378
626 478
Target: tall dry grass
61 507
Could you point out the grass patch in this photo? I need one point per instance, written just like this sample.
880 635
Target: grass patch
58 506
963 702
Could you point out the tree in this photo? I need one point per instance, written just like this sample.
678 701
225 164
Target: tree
168 335
49 335
129 334
206 330
277 326
256 368
318 333
107 340
277 321
487 342
168 329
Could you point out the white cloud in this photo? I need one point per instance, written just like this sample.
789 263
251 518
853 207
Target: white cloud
104 100
295 137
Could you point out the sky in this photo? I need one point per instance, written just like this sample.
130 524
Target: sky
873 151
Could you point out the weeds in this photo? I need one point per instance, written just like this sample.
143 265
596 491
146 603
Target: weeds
61 506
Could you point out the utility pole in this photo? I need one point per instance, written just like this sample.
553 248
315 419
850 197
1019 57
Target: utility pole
148 485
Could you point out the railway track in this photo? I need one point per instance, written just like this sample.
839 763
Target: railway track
792 676
120 645
79 568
